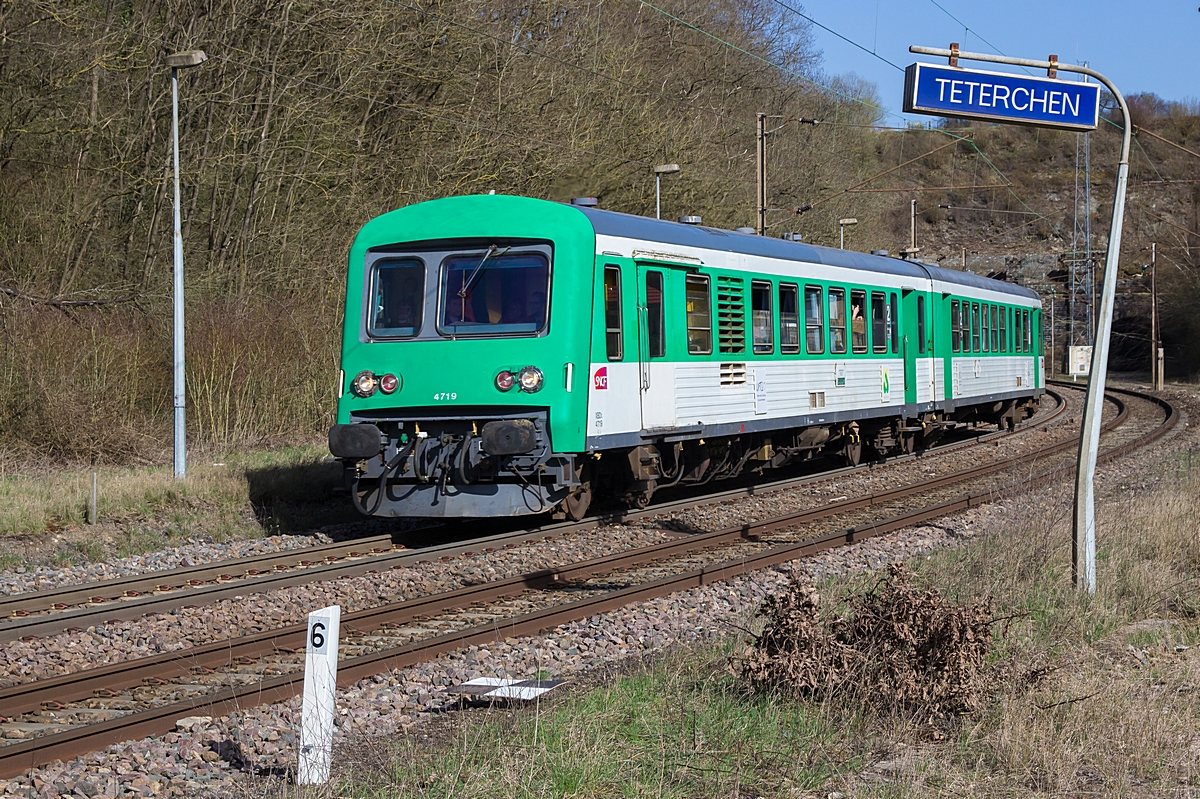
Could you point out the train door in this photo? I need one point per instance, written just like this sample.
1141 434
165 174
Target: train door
657 377
909 344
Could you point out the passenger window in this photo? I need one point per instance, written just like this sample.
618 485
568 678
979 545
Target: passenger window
974 327
789 318
699 315
612 313
893 323
921 325
858 321
955 326
984 333
1028 331
762 317
1003 330
995 332
879 342
837 321
814 323
654 314
1018 334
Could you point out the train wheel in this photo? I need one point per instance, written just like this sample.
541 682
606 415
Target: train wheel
577 502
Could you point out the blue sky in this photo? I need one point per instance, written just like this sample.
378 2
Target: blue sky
1142 46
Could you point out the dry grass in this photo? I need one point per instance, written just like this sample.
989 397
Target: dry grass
243 493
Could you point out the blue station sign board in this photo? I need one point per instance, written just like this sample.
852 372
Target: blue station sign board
1000 97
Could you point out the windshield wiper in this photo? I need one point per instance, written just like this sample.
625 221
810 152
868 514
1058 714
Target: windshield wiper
469 283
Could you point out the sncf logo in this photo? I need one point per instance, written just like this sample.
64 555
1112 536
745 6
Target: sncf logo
600 379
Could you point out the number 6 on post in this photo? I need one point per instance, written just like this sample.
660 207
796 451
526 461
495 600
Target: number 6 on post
320 687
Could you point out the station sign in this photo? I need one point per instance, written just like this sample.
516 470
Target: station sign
1001 97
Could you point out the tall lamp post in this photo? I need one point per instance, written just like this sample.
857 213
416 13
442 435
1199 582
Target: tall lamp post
659 171
178 61
842 230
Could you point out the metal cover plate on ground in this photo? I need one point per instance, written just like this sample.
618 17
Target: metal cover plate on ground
504 688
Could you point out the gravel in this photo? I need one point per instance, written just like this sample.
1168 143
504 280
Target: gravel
241 752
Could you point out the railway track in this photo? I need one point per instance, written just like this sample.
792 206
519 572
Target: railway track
70 608
86 710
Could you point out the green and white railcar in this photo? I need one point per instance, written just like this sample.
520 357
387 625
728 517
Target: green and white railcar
505 355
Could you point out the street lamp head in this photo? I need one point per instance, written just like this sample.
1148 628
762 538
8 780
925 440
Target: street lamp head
664 169
188 58
848 221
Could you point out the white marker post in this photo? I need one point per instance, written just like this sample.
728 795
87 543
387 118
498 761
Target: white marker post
320 685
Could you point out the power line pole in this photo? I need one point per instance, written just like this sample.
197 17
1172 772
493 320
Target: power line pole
761 214
1156 378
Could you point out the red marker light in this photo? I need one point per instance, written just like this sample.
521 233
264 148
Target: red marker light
389 383
505 380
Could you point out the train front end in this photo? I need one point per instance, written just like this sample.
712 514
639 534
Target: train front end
464 358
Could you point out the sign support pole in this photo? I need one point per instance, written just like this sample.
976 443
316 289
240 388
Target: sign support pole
1083 551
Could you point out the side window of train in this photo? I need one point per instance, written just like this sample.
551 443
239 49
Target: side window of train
921 325
699 315
858 321
1018 331
814 322
879 342
789 318
1028 331
955 326
837 321
1003 330
974 327
995 332
762 317
655 331
893 323
613 344
986 328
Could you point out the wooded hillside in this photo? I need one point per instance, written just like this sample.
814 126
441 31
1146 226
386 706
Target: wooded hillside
312 117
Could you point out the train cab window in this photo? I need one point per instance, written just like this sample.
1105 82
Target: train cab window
789 318
974 327
995 332
762 317
699 315
814 321
398 298
837 321
1003 330
893 323
879 341
613 345
858 321
985 332
655 331
955 326
490 293
921 325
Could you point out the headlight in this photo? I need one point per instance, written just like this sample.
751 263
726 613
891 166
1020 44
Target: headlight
364 384
389 383
530 379
505 380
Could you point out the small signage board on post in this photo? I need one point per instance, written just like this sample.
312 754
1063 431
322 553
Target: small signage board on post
320 688
1080 361
1001 97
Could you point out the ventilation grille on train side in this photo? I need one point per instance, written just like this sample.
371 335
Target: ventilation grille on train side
733 374
731 314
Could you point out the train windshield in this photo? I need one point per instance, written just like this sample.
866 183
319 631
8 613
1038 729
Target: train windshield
494 293
399 292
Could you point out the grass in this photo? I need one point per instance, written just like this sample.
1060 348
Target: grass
1097 695
225 495
681 728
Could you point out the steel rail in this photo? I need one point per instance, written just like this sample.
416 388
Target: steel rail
135 596
15 758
